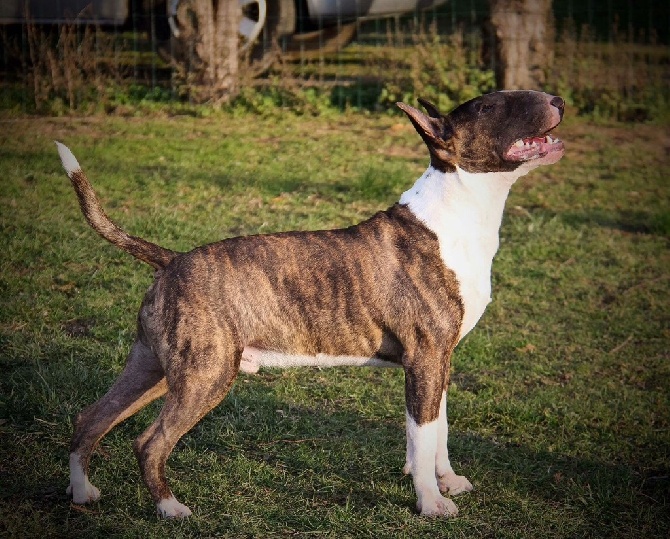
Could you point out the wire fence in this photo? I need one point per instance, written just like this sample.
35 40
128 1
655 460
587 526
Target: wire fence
609 57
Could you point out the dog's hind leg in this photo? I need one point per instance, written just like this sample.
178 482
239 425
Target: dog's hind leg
201 380
141 382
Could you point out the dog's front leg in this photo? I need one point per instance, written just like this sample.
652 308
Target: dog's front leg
447 479
424 391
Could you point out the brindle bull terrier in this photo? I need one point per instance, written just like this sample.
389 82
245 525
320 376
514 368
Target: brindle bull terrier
400 289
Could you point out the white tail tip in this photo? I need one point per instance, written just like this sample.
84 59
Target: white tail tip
69 161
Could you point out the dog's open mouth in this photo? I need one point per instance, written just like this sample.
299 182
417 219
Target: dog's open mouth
529 148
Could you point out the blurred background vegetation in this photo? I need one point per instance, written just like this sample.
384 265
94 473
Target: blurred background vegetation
607 58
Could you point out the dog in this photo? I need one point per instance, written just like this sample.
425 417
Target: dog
399 289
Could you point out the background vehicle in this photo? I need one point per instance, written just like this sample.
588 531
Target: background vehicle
295 25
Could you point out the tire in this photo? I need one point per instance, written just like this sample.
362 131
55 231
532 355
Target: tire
319 42
280 24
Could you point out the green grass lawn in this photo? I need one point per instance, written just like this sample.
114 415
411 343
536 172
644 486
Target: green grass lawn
560 403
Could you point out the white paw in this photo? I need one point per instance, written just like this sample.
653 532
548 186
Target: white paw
436 506
84 493
407 468
251 360
453 484
171 508
249 366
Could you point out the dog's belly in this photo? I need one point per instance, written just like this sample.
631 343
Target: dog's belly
255 358
387 353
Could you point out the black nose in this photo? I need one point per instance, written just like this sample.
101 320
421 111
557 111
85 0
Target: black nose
558 103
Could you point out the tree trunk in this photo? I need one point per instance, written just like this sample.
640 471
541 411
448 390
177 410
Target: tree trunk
227 31
209 35
524 31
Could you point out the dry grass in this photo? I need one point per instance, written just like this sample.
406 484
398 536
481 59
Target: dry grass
68 67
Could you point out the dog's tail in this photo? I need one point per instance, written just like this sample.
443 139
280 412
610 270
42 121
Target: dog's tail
154 255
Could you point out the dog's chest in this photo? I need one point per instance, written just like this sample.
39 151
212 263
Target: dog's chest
469 255
464 211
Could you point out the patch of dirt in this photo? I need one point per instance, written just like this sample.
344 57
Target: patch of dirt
79 327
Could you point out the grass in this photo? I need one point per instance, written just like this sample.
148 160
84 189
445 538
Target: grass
559 408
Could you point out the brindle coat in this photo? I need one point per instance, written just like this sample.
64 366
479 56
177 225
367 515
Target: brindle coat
378 289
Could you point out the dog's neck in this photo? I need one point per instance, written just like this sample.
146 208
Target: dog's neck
465 211
460 206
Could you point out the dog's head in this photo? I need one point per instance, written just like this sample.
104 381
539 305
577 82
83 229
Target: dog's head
496 132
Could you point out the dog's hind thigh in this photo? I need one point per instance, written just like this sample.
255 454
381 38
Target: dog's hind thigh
141 381
193 391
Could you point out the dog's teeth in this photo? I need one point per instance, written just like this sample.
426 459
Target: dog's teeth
519 143
548 139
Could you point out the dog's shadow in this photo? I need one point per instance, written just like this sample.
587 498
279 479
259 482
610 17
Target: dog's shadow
327 451
334 455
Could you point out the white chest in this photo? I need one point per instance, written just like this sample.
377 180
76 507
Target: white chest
465 211
472 265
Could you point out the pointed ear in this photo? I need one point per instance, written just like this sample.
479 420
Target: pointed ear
434 133
428 127
430 108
